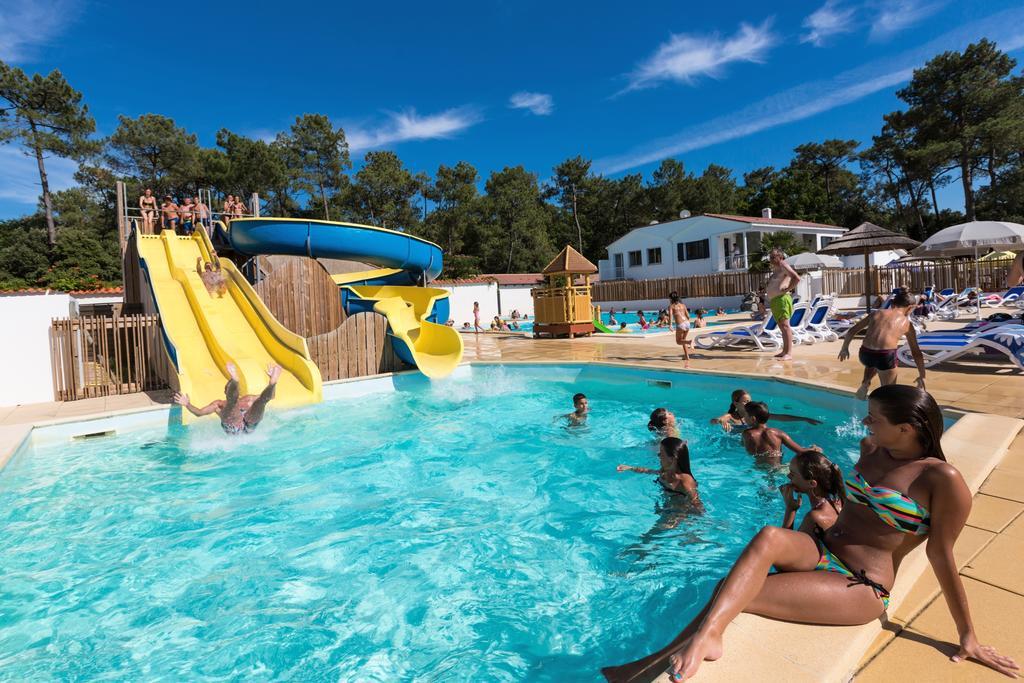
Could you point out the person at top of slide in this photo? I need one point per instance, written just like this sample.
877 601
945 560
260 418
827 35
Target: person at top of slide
885 328
681 319
779 289
147 204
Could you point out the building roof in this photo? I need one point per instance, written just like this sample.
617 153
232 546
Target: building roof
507 279
570 261
760 220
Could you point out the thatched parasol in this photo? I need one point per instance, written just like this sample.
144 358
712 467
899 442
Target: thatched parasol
866 239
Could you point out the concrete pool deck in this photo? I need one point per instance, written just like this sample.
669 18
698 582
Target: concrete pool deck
918 637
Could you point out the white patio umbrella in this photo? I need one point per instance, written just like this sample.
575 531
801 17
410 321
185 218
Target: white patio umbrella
811 261
967 239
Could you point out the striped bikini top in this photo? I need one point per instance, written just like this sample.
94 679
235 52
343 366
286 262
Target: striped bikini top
892 507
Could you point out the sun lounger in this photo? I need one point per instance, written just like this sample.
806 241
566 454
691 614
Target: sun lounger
939 348
818 328
761 335
950 307
1010 297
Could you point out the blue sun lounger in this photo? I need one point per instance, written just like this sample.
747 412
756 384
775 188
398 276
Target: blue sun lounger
939 347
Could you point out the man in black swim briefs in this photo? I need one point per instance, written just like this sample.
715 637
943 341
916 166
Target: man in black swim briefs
883 330
238 414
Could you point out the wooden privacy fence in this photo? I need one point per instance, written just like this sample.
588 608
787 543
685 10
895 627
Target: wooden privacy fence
101 356
716 284
845 282
358 347
916 276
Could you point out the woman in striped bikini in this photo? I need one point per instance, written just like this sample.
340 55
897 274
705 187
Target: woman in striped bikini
843 576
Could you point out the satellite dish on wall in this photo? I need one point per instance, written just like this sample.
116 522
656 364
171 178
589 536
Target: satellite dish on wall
685 213
653 223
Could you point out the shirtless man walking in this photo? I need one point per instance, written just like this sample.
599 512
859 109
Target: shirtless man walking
147 204
782 281
238 414
681 321
885 327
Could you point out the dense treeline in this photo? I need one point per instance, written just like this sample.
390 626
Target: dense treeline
963 121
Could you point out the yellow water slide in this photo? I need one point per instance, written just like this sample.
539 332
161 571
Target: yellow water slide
435 349
204 332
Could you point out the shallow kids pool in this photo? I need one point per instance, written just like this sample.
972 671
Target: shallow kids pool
429 531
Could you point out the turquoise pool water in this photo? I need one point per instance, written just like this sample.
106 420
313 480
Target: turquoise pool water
445 531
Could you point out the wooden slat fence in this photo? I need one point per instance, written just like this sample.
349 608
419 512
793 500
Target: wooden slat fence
716 284
102 356
301 295
916 276
845 282
358 347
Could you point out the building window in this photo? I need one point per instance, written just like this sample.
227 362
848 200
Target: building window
701 249
681 252
634 259
654 256
825 239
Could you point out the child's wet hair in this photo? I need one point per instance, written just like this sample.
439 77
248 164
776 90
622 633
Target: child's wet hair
759 411
677 449
814 465
659 418
738 394
576 397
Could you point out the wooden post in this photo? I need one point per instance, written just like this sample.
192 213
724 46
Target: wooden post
122 215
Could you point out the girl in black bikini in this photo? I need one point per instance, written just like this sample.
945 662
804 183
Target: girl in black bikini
674 476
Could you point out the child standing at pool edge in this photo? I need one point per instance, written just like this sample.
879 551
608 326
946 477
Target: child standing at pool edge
681 319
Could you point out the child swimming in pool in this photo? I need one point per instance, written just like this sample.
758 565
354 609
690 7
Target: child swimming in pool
578 416
663 423
674 475
622 329
612 320
821 480
737 413
766 442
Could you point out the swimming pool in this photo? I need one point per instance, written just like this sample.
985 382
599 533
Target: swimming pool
451 530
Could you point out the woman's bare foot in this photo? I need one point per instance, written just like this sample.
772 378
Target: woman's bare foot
703 646
783 356
274 373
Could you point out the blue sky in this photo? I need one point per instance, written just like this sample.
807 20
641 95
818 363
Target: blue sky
503 82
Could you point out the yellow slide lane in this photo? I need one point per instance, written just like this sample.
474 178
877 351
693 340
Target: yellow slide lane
206 332
437 349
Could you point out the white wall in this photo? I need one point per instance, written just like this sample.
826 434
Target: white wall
693 303
25 346
463 296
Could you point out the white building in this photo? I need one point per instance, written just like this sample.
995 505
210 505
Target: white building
700 245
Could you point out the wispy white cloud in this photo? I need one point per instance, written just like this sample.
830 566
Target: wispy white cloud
685 57
537 103
408 125
26 25
803 101
895 15
19 175
827 20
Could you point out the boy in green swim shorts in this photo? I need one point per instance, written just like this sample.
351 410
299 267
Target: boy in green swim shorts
782 281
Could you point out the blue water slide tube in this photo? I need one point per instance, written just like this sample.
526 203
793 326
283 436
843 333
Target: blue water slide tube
419 260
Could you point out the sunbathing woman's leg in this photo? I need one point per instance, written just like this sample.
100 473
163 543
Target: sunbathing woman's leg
798 594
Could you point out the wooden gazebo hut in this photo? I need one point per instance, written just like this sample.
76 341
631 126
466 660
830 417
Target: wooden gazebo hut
561 307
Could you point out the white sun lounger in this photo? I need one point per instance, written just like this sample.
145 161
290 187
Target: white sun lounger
937 348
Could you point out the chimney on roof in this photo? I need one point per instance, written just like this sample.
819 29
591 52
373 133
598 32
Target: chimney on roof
766 213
